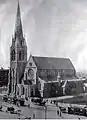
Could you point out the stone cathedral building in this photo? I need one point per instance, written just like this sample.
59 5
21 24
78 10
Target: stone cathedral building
30 77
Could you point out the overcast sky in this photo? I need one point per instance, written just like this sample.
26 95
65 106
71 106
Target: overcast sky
51 28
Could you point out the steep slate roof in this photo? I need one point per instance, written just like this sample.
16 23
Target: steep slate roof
52 63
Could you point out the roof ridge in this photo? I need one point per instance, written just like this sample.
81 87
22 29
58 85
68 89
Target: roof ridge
44 62
50 57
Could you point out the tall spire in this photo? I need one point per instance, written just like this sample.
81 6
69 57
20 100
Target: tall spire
18 25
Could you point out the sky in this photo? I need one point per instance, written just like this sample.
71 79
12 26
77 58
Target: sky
55 28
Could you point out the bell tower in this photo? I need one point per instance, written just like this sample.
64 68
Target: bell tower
18 55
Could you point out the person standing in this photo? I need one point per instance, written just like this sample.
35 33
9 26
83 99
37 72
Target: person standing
59 112
33 116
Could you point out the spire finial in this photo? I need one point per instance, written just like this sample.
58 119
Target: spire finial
18 9
18 25
18 1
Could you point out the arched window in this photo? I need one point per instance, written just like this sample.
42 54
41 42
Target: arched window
26 76
23 91
32 93
30 64
21 43
26 92
20 55
13 55
18 91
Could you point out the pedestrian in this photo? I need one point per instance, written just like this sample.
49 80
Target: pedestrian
28 105
33 116
54 101
1 108
60 114
57 112
18 115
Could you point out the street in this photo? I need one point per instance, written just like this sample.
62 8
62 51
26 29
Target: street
51 113
39 112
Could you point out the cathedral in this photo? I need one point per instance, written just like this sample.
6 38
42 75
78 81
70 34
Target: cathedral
29 77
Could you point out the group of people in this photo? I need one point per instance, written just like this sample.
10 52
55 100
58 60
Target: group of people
53 101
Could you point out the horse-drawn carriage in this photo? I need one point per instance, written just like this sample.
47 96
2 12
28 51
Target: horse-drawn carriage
14 100
77 110
38 101
10 109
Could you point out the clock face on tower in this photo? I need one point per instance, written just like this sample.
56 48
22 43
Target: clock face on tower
31 73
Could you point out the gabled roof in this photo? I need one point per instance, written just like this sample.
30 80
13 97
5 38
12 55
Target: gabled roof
52 63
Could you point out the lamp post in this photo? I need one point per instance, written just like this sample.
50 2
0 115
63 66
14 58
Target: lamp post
29 94
46 90
8 92
45 112
56 98
58 82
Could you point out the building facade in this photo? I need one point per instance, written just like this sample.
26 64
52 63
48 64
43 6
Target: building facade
4 73
31 78
49 73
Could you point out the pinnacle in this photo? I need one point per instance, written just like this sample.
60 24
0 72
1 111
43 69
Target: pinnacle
18 25
18 9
